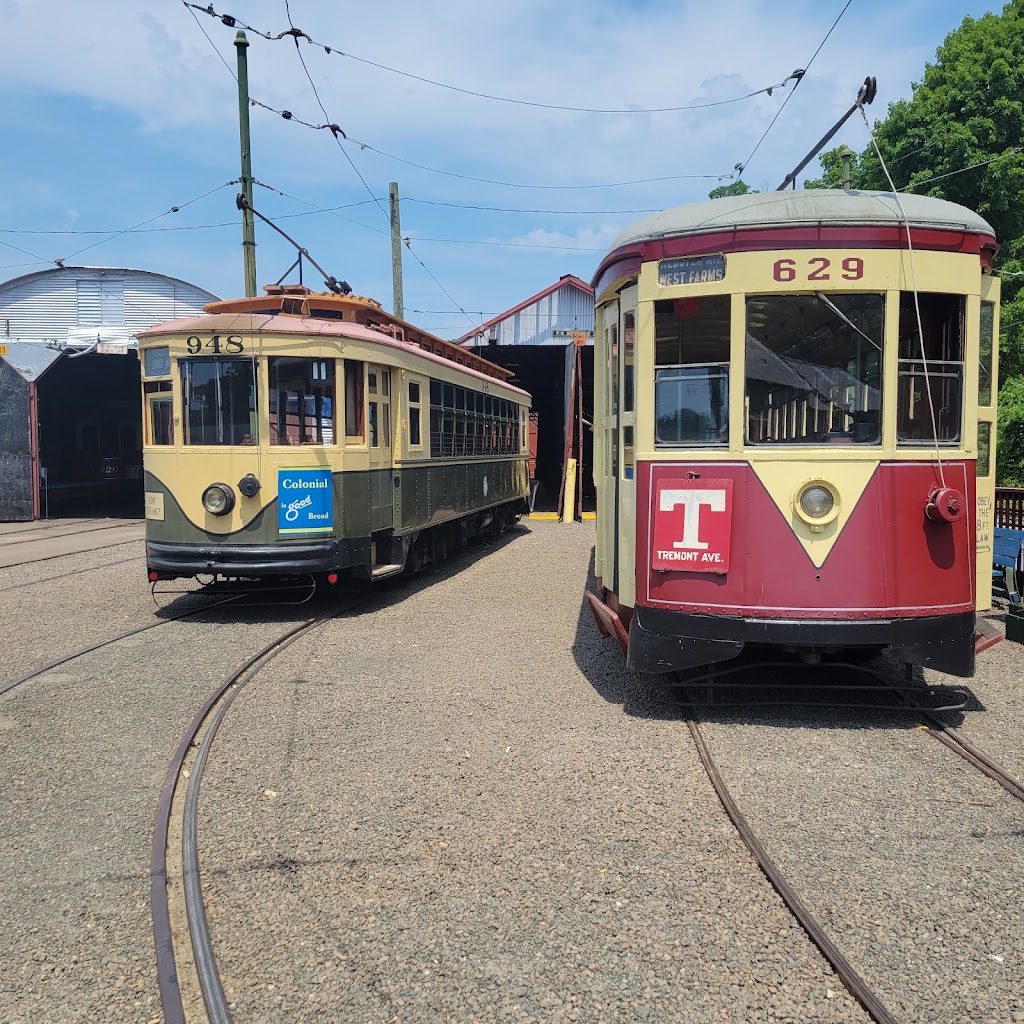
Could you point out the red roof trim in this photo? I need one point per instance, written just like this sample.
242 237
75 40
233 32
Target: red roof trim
562 282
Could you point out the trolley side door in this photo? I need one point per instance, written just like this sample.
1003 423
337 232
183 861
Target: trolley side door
988 391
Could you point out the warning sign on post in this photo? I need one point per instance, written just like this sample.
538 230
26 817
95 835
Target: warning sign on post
692 525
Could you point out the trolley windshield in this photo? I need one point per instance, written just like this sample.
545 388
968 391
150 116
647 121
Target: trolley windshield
814 369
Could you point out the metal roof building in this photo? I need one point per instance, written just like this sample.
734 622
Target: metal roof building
70 407
547 340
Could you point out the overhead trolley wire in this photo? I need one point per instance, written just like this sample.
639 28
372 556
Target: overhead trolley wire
295 33
336 132
741 167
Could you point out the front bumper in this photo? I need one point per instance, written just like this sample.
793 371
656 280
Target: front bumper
665 641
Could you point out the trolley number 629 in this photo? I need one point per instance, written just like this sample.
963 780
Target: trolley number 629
818 269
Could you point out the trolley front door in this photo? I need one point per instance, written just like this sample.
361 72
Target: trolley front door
606 468
379 439
625 561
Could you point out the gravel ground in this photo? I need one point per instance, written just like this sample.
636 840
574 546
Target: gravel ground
83 752
437 810
995 720
907 854
54 618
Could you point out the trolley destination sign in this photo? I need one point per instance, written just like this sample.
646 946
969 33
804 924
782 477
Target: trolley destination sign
692 270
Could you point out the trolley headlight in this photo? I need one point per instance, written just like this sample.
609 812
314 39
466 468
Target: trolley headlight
817 504
218 499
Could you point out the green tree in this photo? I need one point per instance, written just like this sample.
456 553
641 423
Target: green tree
959 137
735 188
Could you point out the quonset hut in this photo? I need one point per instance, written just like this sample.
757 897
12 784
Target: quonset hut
70 413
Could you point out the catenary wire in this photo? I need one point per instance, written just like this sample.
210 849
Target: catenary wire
232 22
740 168
335 134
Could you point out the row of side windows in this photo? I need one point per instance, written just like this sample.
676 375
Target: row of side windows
467 422
219 401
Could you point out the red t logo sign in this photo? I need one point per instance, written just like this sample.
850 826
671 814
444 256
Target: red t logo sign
691 500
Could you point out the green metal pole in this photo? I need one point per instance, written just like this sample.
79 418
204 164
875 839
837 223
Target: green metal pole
396 251
844 154
248 224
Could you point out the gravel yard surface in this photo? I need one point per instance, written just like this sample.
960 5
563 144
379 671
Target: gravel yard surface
45 621
996 718
83 752
439 809
908 855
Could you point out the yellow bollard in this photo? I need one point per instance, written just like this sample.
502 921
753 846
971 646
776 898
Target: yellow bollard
569 504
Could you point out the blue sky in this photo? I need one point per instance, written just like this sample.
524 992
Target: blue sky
116 110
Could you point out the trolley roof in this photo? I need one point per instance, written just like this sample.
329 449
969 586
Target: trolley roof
804 207
268 323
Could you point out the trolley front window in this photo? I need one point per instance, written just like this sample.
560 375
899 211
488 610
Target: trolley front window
814 369
929 401
691 375
220 401
301 400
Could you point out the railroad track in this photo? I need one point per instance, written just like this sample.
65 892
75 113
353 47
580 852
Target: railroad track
11 684
178 811
74 572
951 738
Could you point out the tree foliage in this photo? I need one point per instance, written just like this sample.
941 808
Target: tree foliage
735 188
961 137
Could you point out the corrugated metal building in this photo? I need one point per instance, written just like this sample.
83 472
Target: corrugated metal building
70 408
535 338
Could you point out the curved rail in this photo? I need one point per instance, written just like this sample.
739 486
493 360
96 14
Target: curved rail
18 680
209 979
855 984
972 754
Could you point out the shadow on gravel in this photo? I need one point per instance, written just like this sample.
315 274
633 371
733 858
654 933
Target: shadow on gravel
268 605
803 696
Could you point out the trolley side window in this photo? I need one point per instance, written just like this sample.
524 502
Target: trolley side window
929 401
814 369
985 353
301 400
220 401
160 421
353 402
378 384
691 372
415 399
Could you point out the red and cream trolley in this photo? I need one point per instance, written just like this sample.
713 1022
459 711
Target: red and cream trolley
795 429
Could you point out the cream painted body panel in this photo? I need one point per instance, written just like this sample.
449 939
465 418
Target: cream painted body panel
186 470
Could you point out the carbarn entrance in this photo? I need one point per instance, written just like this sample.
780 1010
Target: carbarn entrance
544 371
90 436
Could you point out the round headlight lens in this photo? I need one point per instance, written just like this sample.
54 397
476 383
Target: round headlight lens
816 501
218 499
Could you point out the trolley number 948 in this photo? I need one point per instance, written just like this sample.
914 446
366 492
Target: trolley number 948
231 344
819 268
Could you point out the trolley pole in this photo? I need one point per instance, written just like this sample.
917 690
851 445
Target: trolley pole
396 251
844 154
248 224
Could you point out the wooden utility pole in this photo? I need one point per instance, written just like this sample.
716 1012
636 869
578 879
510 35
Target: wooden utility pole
248 224
396 251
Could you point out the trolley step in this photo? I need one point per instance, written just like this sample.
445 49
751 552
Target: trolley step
380 572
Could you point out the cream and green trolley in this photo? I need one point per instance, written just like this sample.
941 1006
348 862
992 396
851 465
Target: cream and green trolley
313 435
795 431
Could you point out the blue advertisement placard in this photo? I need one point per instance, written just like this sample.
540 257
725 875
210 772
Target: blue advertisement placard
305 502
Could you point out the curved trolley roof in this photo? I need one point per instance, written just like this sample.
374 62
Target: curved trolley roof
798 219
